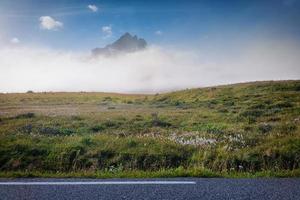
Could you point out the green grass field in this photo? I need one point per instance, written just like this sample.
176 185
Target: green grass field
240 130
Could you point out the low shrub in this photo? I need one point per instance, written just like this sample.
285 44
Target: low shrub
265 128
25 115
97 128
54 131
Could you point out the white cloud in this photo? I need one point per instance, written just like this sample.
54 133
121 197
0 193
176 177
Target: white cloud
160 69
48 23
93 8
158 32
107 30
14 40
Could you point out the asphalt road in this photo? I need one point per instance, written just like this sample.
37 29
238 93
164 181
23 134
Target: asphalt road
179 188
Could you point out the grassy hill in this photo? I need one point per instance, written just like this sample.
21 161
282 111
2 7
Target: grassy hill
247 129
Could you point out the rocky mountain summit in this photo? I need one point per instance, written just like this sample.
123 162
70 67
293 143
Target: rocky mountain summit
125 44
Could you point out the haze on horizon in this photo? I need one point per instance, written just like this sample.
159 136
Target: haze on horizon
46 46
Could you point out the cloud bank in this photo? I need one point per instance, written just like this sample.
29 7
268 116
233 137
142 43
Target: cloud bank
153 70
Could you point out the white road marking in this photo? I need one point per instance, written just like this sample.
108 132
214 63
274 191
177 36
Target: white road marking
100 183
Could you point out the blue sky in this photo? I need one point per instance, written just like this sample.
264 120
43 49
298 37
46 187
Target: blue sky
174 23
45 45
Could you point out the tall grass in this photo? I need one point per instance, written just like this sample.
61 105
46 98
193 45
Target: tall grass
249 129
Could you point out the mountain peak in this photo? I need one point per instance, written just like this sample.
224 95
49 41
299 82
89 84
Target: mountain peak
126 35
125 44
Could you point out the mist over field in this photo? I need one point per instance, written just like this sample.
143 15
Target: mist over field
152 70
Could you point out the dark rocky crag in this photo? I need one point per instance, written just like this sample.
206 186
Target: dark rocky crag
125 44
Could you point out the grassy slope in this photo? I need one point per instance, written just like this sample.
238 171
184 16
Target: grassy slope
248 129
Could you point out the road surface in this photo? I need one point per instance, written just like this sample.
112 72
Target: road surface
178 188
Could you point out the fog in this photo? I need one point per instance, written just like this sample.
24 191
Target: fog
156 69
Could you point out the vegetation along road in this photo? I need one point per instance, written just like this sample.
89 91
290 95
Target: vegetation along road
240 130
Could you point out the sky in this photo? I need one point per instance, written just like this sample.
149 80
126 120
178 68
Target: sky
191 44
